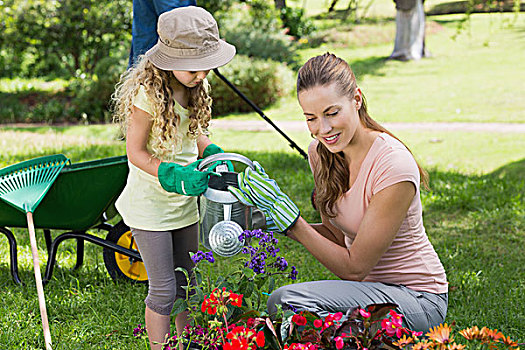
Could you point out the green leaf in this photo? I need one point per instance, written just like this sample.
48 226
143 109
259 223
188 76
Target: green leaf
271 285
179 306
248 272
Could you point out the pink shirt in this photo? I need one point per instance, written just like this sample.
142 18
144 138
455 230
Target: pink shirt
410 260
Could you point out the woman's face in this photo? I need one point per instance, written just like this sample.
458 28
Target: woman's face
190 79
331 118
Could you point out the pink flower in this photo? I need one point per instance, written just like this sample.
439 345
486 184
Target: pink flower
396 318
365 313
391 328
339 343
338 316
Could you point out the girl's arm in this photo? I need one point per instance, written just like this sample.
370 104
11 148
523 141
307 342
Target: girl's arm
202 142
382 220
137 134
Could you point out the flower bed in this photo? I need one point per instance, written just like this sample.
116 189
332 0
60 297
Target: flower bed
229 313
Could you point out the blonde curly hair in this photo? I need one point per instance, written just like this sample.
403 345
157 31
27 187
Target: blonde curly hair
158 85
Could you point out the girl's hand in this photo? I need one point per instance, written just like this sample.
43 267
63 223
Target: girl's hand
185 180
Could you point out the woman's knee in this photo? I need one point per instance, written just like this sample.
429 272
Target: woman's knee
278 297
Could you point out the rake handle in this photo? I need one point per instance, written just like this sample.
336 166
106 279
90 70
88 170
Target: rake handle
38 278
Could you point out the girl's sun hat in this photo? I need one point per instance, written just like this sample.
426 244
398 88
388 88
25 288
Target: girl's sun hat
189 41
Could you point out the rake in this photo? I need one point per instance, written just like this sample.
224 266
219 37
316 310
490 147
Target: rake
23 186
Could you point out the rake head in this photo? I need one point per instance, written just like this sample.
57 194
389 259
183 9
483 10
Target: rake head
25 184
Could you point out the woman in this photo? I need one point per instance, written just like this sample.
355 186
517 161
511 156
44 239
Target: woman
367 190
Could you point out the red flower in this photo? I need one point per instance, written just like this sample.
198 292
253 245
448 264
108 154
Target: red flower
236 299
260 339
299 320
318 323
241 338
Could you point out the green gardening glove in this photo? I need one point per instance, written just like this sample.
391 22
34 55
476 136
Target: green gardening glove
212 149
257 188
186 180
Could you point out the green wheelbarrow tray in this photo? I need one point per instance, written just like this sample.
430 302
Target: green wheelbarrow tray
78 198
82 197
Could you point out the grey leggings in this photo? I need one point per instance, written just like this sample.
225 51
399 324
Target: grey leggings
162 252
421 310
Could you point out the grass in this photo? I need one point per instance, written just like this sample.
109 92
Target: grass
473 78
473 215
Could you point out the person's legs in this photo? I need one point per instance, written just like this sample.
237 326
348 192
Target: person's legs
157 254
144 27
420 310
184 241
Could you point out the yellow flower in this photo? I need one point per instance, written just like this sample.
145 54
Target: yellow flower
507 341
404 341
489 335
471 333
441 334
423 345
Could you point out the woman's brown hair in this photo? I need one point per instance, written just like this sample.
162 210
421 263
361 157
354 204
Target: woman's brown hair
332 177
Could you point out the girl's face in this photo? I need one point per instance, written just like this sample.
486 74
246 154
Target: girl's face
331 118
190 79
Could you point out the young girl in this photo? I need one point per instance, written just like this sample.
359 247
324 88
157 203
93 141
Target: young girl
164 106
367 190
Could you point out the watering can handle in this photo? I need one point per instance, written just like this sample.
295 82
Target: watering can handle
225 156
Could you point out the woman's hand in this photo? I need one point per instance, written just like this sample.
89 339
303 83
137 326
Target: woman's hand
256 188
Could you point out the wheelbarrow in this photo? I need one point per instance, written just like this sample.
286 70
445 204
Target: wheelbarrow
82 198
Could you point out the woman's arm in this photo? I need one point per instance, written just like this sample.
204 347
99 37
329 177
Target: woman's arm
382 220
137 134
327 230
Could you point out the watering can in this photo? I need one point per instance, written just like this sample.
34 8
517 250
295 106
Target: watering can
223 217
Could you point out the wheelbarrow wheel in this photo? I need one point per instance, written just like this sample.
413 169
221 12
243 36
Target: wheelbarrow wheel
120 266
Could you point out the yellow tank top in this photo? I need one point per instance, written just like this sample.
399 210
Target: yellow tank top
144 204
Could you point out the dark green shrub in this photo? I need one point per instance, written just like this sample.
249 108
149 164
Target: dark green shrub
262 81
298 25
44 37
91 96
256 32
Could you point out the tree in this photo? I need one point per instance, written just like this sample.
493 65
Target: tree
410 31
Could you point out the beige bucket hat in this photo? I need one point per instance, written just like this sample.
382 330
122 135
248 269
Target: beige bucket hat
189 41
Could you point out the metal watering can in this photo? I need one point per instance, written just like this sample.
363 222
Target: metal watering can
222 217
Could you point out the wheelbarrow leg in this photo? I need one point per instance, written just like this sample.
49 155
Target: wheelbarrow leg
13 254
51 259
80 253
47 236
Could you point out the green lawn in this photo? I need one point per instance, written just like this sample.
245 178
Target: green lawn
474 212
478 77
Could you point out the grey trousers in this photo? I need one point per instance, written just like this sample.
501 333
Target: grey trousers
162 252
421 310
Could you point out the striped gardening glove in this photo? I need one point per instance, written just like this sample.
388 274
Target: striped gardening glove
257 189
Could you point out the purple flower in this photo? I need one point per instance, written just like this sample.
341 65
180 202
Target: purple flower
137 332
293 273
280 263
200 255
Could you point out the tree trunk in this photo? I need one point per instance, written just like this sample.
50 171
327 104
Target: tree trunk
410 31
280 4
332 5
